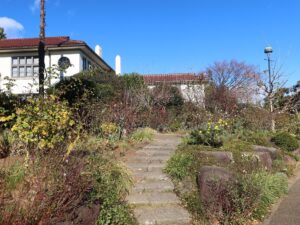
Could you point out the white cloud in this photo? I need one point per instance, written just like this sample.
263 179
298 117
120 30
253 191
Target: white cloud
35 5
11 27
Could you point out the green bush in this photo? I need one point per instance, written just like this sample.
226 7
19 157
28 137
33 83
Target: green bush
91 85
179 165
285 141
256 137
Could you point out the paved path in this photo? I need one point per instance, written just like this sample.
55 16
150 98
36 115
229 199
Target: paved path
152 196
287 211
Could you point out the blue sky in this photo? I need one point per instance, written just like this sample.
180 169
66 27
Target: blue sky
167 36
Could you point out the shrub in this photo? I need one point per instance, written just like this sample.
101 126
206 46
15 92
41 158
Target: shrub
92 85
210 134
256 137
44 123
255 118
245 198
285 141
179 165
143 135
232 202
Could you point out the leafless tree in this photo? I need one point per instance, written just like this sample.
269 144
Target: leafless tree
270 84
239 78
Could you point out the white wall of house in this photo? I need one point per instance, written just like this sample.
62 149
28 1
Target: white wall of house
25 85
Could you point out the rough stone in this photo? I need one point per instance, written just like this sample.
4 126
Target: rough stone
274 152
222 157
264 158
210 177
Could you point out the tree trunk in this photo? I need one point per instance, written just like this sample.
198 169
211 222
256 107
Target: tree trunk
41 49
272 115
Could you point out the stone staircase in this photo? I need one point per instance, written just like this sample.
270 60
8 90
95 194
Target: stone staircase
152 196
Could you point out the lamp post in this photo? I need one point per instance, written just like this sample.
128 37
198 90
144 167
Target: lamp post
268 51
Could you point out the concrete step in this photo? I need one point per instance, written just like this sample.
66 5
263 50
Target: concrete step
172 215
153 186
152 198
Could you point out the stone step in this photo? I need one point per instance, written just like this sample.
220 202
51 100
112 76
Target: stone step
152 175
154 153
150 186
152 198
172 215
156 148
145 167
149 159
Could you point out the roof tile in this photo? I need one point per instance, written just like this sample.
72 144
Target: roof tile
172 78
34 42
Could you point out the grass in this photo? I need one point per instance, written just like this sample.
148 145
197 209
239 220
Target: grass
14 176
143 135
272 187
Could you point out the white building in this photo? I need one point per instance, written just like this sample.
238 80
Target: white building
190 85
19 60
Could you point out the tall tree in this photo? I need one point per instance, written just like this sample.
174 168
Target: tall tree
41 49
2 33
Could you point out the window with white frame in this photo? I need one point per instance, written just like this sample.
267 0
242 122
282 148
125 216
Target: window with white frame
25 66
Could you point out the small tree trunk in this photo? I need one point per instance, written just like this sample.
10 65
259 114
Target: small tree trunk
273 125
41 50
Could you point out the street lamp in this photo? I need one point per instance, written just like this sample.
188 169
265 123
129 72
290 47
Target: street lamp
268 52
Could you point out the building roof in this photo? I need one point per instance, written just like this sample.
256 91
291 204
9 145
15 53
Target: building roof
34 42
173 78
31 44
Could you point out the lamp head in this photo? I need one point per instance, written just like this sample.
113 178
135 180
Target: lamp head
268 50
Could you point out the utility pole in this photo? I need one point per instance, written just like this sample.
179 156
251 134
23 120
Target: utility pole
41 49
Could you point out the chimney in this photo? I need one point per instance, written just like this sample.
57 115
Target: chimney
98 50
118 65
